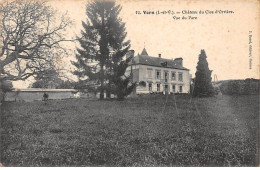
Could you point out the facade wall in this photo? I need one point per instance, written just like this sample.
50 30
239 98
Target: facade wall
135 72
148 74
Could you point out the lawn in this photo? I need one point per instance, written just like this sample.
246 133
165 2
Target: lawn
143 131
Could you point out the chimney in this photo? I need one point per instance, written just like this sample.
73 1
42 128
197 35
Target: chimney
159 55
130 53
178 61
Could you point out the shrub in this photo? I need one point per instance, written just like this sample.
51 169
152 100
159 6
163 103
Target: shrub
247 86
142 84
5 86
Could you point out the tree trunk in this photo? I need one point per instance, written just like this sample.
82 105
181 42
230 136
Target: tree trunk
108 91
101 96
102 60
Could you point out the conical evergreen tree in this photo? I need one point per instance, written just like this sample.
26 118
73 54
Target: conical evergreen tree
203 86
121 84
118 83
102 46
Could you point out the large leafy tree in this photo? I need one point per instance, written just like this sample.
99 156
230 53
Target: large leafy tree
31 33
103 45
202 84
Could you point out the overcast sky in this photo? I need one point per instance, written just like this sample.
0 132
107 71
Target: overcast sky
224 37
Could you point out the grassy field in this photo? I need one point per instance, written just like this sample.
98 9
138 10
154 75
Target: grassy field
217 131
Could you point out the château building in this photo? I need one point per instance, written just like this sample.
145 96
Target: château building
157 74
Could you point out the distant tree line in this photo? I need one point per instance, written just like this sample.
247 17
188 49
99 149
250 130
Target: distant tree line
247 86
60 84
50 79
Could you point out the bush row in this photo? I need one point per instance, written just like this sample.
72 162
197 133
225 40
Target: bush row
247 86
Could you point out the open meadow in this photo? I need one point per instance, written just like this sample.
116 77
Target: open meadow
217 131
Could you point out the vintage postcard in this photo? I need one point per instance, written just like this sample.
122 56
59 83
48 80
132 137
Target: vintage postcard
147 83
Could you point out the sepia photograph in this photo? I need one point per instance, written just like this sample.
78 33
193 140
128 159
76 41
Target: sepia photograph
129 83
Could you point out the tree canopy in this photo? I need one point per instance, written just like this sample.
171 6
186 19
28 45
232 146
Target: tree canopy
31 33
202 83
103 46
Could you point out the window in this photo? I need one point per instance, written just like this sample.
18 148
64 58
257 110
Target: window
158 75
180 77
166 77
158 87
150 86
173 88
173 76
180 89
149 73
166 88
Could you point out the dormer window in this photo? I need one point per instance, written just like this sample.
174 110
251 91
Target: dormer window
164 64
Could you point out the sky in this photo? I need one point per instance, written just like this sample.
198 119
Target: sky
224 37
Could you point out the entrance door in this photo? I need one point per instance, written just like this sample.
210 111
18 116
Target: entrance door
166 88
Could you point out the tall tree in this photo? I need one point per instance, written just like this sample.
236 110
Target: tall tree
31 34
203 86
103 46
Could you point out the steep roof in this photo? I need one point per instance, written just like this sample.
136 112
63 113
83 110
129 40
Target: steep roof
156 61
144 52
